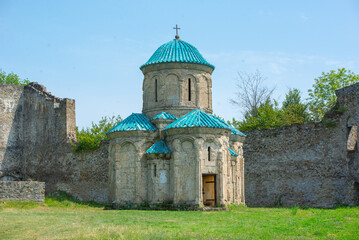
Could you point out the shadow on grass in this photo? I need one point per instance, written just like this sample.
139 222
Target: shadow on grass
63 199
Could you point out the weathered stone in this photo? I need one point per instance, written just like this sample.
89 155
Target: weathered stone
173 90
22 191
176 178
313 164
36 129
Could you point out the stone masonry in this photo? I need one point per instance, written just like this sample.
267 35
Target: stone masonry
36 129
313 164
22 191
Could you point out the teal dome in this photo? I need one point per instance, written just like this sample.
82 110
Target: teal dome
177 51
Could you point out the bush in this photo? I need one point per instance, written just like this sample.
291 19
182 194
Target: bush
89 139
12 78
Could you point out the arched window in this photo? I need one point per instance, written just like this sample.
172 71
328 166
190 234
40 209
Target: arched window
209 153
189 89
156 99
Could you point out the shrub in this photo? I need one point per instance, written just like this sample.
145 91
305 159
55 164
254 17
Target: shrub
89 139
12 78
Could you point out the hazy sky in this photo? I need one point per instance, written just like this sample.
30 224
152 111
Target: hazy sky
91 51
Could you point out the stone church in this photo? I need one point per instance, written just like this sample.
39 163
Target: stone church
176 151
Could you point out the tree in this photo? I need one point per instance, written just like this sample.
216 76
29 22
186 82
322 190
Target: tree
251 92
90 138
322 97
293 110
269 115
292 98
12 78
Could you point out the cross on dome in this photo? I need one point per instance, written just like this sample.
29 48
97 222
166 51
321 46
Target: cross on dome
177 36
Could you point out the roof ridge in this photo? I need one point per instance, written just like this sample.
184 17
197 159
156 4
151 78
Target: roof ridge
196 118
159 147
136 121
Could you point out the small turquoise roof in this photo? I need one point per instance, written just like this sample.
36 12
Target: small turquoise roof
196 118
177 51
234 130
164 115
136 121
159 147
233 153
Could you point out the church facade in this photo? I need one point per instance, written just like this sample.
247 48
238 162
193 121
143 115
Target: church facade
176 151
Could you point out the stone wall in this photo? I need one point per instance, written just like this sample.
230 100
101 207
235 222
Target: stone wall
34 125
11 135
22 191
314 164
36 129
83 175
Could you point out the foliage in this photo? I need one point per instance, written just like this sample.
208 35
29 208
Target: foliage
322 97
293 110
292 98
252 92
12 78
90 138
269 115
266 116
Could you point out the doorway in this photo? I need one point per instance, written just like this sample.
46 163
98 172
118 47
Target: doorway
209 190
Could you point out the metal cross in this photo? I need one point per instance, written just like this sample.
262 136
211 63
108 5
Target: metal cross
177 37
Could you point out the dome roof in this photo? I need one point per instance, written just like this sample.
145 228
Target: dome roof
177 51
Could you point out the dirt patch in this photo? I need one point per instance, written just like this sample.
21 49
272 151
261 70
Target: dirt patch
42 208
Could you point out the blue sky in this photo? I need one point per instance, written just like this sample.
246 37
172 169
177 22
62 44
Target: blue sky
91 50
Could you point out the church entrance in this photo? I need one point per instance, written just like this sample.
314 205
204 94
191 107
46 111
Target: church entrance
209 190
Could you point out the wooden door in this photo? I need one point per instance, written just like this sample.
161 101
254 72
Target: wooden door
209 190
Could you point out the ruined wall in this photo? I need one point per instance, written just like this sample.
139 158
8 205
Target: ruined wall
11 135
307 165
22 191
36 129
83 175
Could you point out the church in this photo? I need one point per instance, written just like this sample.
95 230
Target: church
176 151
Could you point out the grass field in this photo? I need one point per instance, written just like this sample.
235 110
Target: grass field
63 218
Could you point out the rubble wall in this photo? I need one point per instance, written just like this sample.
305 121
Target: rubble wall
36 132
11 135
22 191
308 164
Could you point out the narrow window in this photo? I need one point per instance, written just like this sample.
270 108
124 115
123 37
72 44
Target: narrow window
352 138
156 90
209 153
189 89
155 170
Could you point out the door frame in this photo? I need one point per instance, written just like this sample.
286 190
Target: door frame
215 187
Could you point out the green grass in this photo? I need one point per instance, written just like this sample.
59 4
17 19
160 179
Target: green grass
62 217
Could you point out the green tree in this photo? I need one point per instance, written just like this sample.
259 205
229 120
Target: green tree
292 98
270 115
90 138
322 97
12 78
267 116
293 110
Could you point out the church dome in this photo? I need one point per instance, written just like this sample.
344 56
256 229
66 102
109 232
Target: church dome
177 51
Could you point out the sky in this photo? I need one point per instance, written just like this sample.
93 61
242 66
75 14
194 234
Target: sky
91 51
